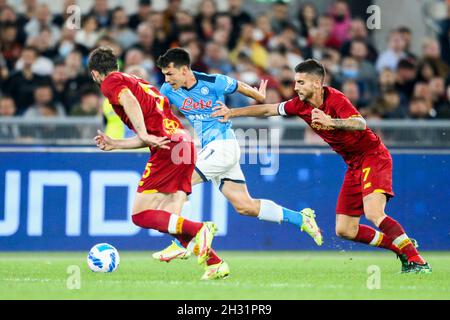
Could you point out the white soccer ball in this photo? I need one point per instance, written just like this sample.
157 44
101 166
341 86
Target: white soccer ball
103 257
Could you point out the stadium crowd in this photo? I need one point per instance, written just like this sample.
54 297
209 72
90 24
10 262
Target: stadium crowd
43 59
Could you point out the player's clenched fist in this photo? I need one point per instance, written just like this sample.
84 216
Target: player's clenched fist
221 111
321 119
103 141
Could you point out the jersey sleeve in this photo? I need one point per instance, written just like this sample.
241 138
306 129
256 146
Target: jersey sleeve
344 108
112 87
288 108
225 84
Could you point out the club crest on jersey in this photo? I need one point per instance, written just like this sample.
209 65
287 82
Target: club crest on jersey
204 91
171 126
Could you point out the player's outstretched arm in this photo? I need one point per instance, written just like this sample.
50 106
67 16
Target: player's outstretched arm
261 111
351 124
133 110
259 94
106 143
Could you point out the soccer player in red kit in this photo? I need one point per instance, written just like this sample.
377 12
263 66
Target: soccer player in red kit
166 180
368 182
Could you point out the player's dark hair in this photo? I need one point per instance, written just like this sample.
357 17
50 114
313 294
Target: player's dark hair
103 60
311 66
179 57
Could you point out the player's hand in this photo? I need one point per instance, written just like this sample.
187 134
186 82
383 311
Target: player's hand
321 119
155 142
262 89
221 111
103 141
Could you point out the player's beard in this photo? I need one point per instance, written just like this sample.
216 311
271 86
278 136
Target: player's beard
306 96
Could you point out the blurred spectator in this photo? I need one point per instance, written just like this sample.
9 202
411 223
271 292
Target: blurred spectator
422 90
120 31
367 72
444 35
169 15
407 35
351 90
395 51
143 11
136 57
44 103
406 77
162 39
307 17
239 17
443 110
59 85
342 21
358 31
216 57
263 30
389 105
427 69
28 12
9 16
438 92
102 13
431 51
89 102
196 53
21 85
326 25
248 46
420 108
205 19
67 43
146 38
7 106
280 16
8 109
286 87
42 19
9 45
285 44
88 35
224 30
76 77
43 42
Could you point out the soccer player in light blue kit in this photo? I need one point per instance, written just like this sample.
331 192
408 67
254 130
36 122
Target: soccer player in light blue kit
195 95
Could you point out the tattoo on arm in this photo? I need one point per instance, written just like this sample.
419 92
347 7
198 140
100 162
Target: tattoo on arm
352 124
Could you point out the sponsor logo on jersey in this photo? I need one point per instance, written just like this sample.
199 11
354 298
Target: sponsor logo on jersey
189 104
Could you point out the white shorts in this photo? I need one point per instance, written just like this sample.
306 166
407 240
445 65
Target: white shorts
218 162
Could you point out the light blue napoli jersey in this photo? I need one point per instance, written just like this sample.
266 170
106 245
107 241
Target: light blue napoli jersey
197 104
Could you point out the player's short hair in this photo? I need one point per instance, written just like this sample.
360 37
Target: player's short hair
311 66
103 60
179 57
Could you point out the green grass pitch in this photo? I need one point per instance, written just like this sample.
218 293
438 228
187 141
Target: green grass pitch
254 275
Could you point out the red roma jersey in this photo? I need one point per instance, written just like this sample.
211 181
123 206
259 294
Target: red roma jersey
159 118
351 145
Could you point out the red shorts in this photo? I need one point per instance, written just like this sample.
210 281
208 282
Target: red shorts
169 171
373 175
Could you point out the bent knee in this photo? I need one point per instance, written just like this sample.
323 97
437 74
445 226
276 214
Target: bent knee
348 233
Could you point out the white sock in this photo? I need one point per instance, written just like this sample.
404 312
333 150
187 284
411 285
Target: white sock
270 211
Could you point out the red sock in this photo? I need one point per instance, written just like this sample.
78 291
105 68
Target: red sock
166 222
213 258
372 237
394 230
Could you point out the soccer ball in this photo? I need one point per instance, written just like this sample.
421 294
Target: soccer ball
103 257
